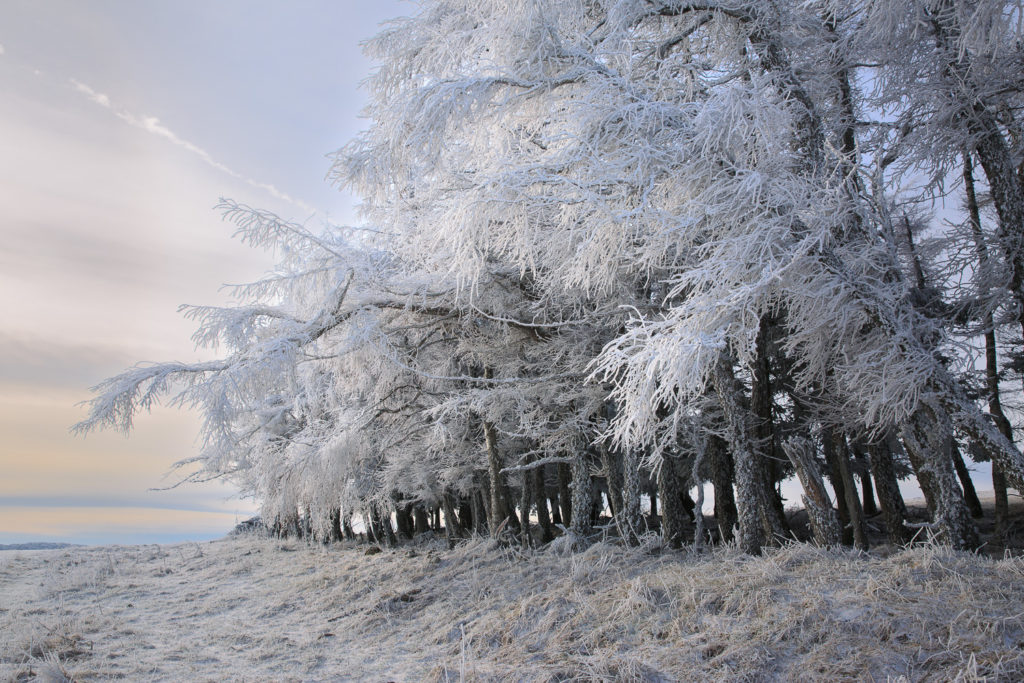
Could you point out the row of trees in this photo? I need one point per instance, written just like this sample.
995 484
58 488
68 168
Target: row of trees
639 244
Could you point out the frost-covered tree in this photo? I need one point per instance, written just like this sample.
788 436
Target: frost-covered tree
621 239
709 147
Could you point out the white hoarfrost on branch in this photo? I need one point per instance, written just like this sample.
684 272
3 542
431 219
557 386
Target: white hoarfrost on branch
598 226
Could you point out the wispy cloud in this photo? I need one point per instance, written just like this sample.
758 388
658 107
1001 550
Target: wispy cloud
151 124
3 51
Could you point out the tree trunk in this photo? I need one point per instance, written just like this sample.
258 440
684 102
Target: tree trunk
511 518
525 500
698 505
820 512
868 494
630 522
540 494
673 514
721 479
372 530
927 436
420 522
1002 502
764 430
889 497
403 519
1006 185
380 524
835 476
964 475
479 514
335 525
452 527
564 493
611 462
389 531
751 505
856 513
496 514
556 510
995 407
582 496
859 457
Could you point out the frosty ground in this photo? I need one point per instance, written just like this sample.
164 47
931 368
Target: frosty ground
250 608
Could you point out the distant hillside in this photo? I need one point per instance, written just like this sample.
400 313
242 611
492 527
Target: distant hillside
38 546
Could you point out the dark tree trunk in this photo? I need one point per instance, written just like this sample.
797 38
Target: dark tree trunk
403 519
479 513
764 430
856 513
540 494
835 476
383 533
689 504
1002 502
597 503
371 528
611 463
752 504
389 531
335 525
564 493
995 406
421 523
721 479
924 477
889 496
452 528
497 511
927 436
525 502
556 511
671 483
868 491
630 520
964 475
512 518
820 513
292 525
582 496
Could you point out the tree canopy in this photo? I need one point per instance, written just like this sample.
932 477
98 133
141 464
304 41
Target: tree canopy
622 245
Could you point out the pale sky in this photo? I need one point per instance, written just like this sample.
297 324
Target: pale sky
121 124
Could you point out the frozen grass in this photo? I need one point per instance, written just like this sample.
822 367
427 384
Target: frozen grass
259 609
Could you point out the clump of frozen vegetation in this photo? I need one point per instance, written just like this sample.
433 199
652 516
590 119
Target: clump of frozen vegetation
270 609
629 247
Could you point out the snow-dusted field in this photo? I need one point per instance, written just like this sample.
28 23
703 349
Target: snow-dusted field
260 609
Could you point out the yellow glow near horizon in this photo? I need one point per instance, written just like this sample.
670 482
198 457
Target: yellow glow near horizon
58 486
82 522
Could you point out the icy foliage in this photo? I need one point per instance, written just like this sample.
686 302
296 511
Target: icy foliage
584 212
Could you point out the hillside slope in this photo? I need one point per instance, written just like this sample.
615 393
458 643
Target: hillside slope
250 608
